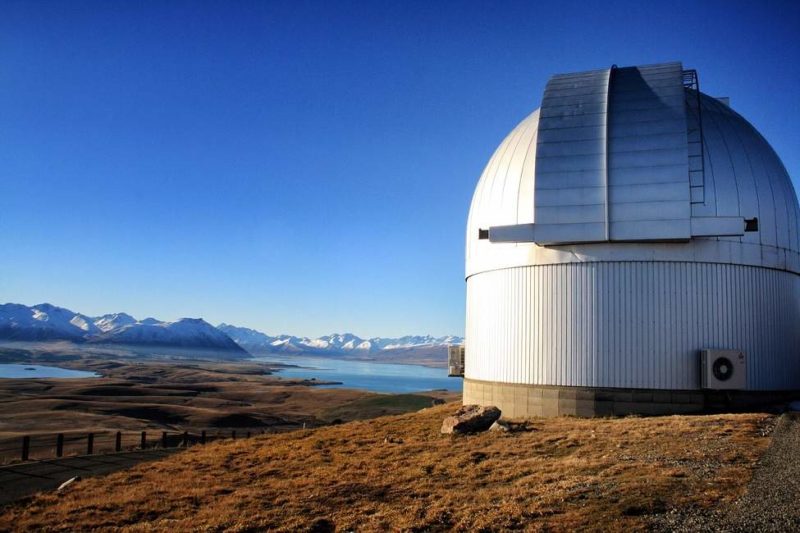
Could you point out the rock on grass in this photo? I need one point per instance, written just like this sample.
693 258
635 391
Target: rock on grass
471 419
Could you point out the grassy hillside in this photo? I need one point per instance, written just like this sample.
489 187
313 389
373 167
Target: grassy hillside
176 396
398 472
138 395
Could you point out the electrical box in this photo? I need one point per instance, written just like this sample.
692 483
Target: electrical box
723 369
455 360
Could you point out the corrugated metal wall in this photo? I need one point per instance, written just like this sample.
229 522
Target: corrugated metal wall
631 324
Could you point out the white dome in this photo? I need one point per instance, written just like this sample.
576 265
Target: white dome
743 177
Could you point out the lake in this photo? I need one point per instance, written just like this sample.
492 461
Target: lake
37 371
375 377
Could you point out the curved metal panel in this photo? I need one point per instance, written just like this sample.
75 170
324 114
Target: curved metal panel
631 324
601 134
647 130
504 193
570 185
742 177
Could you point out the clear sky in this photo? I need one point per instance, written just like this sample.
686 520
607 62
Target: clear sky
307 167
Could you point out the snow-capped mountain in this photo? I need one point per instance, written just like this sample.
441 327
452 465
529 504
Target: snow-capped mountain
246 336
113 321
186 332
49 322
43 322
335 344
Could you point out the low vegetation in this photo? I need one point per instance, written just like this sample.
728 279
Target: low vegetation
400 472
380 405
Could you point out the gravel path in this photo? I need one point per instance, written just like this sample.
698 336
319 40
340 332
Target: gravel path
772 501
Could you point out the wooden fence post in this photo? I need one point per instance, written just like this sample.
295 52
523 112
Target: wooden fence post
89 444
163 439
248 434
233 434
60 445
26 447
144 440
185 439
118 442
203 437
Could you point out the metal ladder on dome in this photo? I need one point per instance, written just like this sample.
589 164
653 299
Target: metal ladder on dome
694 131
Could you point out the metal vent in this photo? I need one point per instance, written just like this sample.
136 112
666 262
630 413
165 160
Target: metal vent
723 370
455 361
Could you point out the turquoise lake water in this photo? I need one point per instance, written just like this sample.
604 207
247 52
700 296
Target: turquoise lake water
375 377
37 371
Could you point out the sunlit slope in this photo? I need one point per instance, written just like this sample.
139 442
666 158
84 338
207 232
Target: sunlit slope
399 472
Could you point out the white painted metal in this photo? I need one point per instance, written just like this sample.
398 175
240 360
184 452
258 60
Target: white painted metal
628 314
612 158
743 178
631 324
571 194
648 159
717 226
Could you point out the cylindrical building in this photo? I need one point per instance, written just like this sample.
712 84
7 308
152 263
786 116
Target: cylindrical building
633 246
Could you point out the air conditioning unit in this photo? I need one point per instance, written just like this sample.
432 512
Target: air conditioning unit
455 361
723 369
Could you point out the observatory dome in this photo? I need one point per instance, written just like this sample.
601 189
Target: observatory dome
620 232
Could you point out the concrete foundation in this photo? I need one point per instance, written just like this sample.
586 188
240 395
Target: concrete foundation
525 401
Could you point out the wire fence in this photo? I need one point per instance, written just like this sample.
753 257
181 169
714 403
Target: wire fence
56 445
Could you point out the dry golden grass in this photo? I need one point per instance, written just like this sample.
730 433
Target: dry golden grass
400 473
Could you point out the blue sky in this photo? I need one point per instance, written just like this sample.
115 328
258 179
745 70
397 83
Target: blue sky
307 167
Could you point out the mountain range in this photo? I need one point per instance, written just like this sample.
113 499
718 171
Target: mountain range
46 322
334 344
